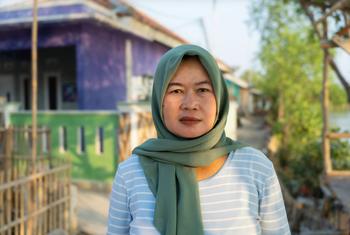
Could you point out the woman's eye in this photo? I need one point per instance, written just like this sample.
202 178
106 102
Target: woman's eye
203 90
176 91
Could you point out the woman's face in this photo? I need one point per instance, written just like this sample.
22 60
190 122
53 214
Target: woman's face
189 106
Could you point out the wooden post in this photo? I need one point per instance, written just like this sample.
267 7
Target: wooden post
31 229
34 80
327 165
8 135
128 66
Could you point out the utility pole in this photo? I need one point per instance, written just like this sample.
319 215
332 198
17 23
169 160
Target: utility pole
205 33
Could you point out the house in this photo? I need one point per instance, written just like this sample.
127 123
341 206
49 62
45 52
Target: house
93 55
239 91
89 53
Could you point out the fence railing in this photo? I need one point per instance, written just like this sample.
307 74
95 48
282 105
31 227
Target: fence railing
34 193
134 129
94 141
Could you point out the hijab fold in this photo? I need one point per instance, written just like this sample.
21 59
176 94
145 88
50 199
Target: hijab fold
169 161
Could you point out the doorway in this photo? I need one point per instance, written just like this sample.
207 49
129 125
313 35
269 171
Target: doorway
52 96
52 88
7 91
25 92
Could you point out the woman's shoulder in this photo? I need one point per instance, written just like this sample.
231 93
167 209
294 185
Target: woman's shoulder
253 158
132 163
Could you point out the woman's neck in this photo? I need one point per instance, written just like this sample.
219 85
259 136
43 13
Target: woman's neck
205 172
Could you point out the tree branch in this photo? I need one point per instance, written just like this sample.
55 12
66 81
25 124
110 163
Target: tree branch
331 62
341 78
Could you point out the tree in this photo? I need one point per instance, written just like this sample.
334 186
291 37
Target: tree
291 62
335 12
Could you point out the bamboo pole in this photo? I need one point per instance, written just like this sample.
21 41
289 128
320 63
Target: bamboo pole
338 135
339 173
327 166
32 222
8 151
22 193
34 79
2 214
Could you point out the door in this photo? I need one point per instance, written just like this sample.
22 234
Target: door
52 91
7 91
25 91
52 95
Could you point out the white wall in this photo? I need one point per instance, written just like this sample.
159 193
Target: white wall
231 124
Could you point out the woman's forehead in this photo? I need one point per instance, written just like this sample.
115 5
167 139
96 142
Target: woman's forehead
187 59
190 69
191 65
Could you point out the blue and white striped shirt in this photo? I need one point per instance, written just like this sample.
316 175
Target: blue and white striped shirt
243 197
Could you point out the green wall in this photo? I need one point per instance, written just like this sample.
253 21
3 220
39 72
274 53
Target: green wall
234 90
91 164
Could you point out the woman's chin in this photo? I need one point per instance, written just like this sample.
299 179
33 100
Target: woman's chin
190 135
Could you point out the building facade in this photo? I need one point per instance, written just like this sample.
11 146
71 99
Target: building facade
88 55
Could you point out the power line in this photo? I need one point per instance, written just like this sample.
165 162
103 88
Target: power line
164 14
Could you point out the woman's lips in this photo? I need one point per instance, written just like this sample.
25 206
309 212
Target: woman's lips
189 120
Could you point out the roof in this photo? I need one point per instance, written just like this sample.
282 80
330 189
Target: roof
240 82
132 20
141 16
115 13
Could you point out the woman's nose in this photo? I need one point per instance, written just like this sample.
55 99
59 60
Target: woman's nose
189 101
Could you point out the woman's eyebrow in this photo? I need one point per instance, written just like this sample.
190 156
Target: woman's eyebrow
196 84
202 83
175 84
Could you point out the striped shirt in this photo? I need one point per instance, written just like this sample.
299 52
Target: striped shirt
243 197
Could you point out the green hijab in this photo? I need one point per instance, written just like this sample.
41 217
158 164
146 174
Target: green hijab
169 161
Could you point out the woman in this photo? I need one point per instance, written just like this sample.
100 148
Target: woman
192 179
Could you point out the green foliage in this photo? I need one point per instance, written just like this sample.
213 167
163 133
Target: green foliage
337 96
251 76
291 78
292 81
303 173
340 152
306 169
267 16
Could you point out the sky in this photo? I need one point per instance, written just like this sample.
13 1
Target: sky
221 26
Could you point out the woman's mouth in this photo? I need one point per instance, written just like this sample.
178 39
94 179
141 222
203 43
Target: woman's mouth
188 121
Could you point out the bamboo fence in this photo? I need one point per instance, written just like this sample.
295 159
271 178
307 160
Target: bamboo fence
144 128
34 195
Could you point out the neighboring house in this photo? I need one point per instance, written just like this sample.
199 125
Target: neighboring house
249 99
239 91
89 53
258 103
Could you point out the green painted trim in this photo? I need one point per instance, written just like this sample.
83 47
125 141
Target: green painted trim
234 90
90 164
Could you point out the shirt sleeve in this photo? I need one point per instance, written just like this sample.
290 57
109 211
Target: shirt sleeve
273 217
119 217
